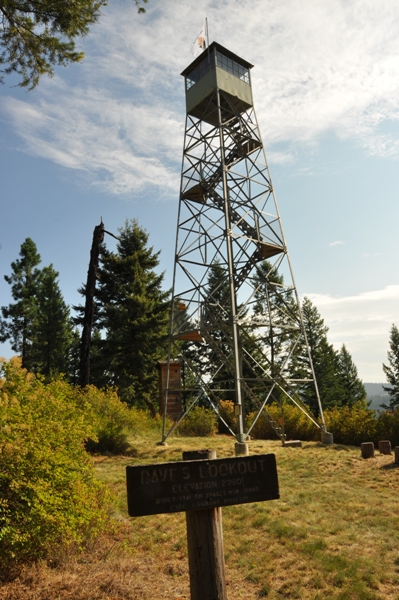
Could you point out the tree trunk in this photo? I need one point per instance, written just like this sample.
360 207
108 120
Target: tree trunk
84 368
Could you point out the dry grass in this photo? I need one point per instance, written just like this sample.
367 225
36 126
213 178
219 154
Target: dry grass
334 534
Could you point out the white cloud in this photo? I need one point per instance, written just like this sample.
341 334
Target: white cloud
321 67
114 142
361 322
337 243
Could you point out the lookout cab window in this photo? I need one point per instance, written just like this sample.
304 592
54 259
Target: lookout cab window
200 70
231 66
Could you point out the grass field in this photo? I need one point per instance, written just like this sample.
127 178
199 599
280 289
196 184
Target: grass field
334 534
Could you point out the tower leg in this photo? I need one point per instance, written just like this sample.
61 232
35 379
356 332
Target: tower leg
327 438
241 449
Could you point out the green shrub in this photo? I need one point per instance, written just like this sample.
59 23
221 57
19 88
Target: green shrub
226 411
142 422
296 424
199 422
262 430
387 427
49 496
111 420
351 425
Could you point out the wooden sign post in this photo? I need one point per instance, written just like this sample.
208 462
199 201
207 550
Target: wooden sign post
200 485
205 545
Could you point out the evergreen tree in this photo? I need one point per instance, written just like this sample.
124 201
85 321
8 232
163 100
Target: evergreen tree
52 332
216 315
324 358
133 317
73 361
274 299
392 370
19 317
214 360
37 36
353 389
38 322
100 364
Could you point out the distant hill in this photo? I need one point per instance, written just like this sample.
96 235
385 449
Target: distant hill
376 394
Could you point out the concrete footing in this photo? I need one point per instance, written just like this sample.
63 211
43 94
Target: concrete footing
293 444
327 438
241 449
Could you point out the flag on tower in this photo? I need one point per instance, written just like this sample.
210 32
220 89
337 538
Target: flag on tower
201 41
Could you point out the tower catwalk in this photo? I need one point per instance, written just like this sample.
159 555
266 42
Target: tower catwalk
236 325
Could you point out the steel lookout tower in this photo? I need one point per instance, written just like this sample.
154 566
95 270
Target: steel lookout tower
236 326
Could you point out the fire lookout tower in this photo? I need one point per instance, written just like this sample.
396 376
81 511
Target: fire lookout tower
236 323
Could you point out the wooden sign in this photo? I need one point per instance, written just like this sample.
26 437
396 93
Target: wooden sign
198 484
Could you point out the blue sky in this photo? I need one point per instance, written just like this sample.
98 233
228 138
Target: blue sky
104 139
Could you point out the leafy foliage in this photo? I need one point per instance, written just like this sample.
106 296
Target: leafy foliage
351 425
199 422
49 496
296 424
112 420
226 411
37 36
388 427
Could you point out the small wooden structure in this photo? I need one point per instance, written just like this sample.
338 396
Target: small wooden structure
367 449
384 446
174 406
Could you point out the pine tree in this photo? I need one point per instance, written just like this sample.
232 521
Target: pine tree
37 36
100 364
133 317
73 360
324 358
275 308
52 332
216 316
214 360
392 370
19 317
38 322
353 389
